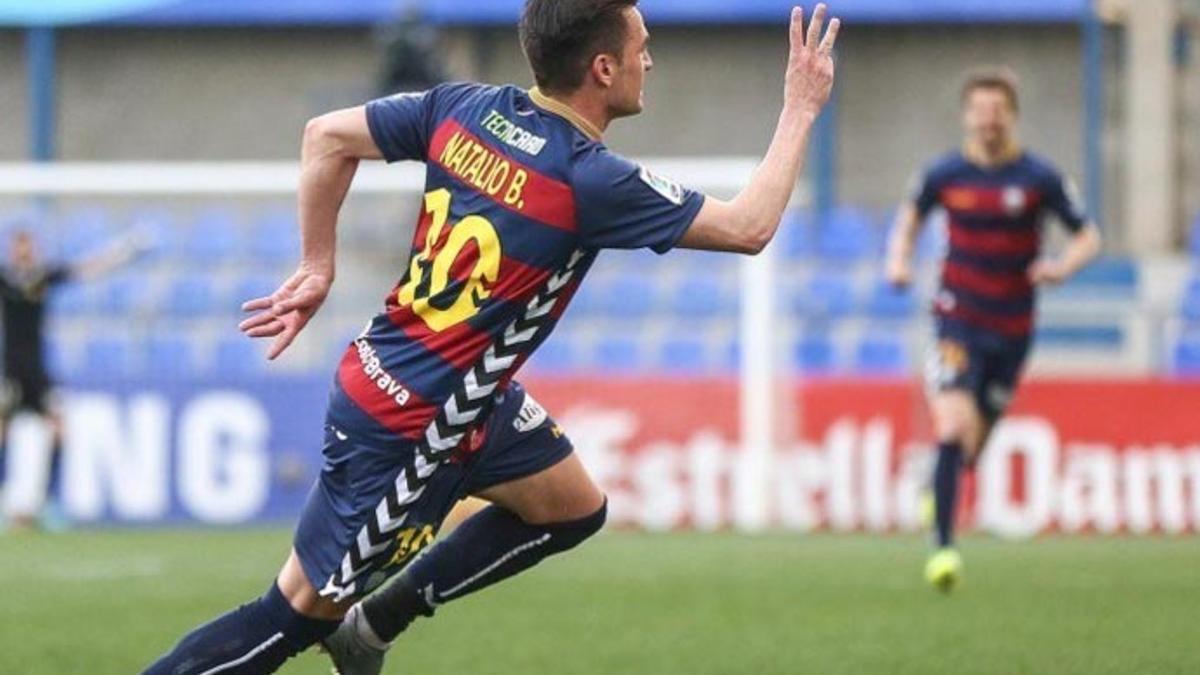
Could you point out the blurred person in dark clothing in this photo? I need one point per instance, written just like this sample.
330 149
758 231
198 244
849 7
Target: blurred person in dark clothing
26 283
412 58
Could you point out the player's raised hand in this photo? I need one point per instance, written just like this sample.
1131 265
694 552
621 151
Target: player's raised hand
284 313
809 79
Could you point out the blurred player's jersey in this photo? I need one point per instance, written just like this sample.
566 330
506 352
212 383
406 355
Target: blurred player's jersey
23 295
520 194
995 218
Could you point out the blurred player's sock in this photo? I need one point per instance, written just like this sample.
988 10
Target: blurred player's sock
253 639
945 490
490 546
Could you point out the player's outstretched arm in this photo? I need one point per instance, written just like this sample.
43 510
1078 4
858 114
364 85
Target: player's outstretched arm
898 266
748 222
120 253
333 145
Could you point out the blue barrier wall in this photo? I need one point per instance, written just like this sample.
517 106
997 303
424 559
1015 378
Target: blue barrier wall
161 451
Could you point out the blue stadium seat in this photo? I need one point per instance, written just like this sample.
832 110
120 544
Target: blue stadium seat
931 242
614 353
122 295
683 355
888 302
1186 361
1194 238
799 235
107 357
275 238
58 361
192 296
825 295
847 234
169 356
1189 307
558 354
704 263
1109 336
881 354
237 356
630 296
83 231
253 286
814 354
1107 274
72 299
701 297
589 299
215 237
730 355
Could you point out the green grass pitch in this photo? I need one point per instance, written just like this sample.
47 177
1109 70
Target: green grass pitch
109 602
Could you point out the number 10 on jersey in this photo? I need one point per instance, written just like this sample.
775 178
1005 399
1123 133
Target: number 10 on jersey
435 295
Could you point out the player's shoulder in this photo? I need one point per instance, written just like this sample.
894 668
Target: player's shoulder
451 95
594 167
1039 167
945 166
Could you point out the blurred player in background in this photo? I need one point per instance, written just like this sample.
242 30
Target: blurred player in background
996 196
26 282
521 196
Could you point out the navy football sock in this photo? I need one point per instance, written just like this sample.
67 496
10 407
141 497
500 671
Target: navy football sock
253 639
945 490
488 547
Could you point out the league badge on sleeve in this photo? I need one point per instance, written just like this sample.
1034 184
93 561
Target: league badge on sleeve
669 189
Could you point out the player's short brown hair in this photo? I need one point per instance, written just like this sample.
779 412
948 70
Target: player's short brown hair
998 79
562 37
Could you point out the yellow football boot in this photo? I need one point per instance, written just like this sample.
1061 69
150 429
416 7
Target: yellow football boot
944 569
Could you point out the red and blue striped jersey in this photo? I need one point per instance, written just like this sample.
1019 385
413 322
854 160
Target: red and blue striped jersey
994 220
520 195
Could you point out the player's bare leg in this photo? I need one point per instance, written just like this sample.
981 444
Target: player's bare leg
528 520
961 430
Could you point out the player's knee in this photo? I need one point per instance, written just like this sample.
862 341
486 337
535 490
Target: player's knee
567 535
955 421
303 597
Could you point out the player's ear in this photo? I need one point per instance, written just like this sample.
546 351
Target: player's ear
604 69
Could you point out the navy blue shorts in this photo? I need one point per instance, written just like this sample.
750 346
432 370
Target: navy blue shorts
363 521
986 365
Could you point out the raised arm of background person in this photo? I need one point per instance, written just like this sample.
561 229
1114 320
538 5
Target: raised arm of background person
898 266
747 223
117 255
332 147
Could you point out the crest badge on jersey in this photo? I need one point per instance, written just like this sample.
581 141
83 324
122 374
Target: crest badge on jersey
1014 200
669 189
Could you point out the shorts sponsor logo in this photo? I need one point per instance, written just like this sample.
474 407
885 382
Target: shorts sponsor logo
954 356
531 416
